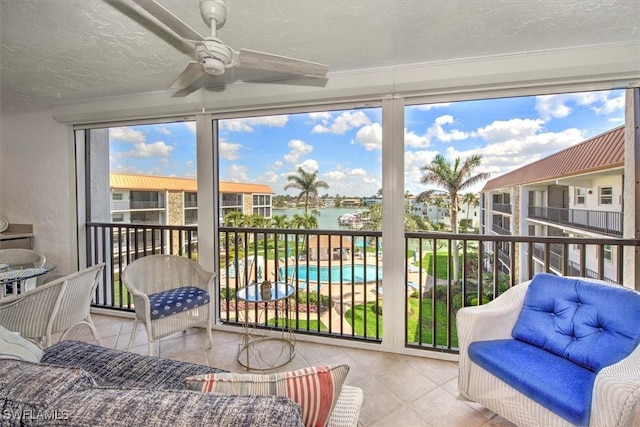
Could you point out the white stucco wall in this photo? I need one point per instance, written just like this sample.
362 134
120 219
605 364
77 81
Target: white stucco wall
37 183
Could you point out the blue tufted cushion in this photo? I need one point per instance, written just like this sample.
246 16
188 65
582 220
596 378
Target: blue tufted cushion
174 301
553 381
590 324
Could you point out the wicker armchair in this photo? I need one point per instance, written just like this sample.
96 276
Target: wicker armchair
615 393
171 293
22 256
53 308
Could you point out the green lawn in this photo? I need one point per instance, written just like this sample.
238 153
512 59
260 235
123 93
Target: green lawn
117 297
304 325
413 329
358 321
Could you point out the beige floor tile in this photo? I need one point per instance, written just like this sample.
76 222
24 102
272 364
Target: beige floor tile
403 417
439 408
399 390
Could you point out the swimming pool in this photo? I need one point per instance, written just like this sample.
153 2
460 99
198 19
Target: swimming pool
357 273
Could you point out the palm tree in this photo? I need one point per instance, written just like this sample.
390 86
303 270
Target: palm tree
453 178
280 221
439 203
308 183
470 199
234 219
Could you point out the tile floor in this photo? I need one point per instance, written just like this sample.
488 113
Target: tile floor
399 390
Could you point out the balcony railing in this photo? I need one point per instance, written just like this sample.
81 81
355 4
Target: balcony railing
135 204
500 230
338 275
502 207
609 223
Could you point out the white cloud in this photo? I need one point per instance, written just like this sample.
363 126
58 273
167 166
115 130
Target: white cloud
229 150
611 105
324 116
190 126
309 165
560 106
412 139
370 137
298 149
501 130
277 164
437 130
413 161
163 130
552 106
344 122
248 124
237 173
127 135
155 149
352 182
512 152
427 107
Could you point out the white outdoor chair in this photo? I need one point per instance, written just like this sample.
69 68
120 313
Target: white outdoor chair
171 293
22 256
55 307
615 393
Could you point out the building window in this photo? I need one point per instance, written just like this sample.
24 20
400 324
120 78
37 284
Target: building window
581 195
261 200
608 252
117 217
116 196
606 195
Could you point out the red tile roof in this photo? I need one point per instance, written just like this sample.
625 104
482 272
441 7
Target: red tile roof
604 151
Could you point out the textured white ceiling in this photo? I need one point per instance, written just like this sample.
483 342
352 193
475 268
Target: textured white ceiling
67 50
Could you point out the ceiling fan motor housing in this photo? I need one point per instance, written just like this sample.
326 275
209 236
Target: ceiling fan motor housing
215 10
214 56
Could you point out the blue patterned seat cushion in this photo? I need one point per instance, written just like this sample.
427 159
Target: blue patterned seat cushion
167 303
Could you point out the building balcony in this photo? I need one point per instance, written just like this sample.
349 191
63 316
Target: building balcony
134 204
502 207
603 222
500 230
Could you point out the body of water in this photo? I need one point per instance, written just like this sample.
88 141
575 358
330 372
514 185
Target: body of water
328 219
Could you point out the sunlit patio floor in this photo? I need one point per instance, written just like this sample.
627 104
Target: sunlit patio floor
399 390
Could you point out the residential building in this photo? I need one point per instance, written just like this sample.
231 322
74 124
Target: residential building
154 199
577 192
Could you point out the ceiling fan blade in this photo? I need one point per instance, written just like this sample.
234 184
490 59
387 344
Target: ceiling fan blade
189 75
169 19
267 61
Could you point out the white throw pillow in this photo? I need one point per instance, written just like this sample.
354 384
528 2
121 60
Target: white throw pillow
13 346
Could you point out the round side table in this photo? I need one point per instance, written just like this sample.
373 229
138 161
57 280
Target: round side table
264 348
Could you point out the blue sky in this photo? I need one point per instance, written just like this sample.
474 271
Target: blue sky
345 146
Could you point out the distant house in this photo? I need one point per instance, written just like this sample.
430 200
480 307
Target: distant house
576 192
348 203
154 199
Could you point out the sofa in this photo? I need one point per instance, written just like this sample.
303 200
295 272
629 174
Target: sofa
554 351
81 384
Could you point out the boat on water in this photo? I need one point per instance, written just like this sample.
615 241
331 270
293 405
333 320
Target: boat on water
353 220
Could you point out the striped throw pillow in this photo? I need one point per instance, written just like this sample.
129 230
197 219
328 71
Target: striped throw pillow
316 389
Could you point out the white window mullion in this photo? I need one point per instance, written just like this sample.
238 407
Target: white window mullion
393 223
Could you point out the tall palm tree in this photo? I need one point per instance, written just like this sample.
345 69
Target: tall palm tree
453 179
308 184
470 199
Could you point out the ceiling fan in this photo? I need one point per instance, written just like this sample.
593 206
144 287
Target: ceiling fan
214 57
